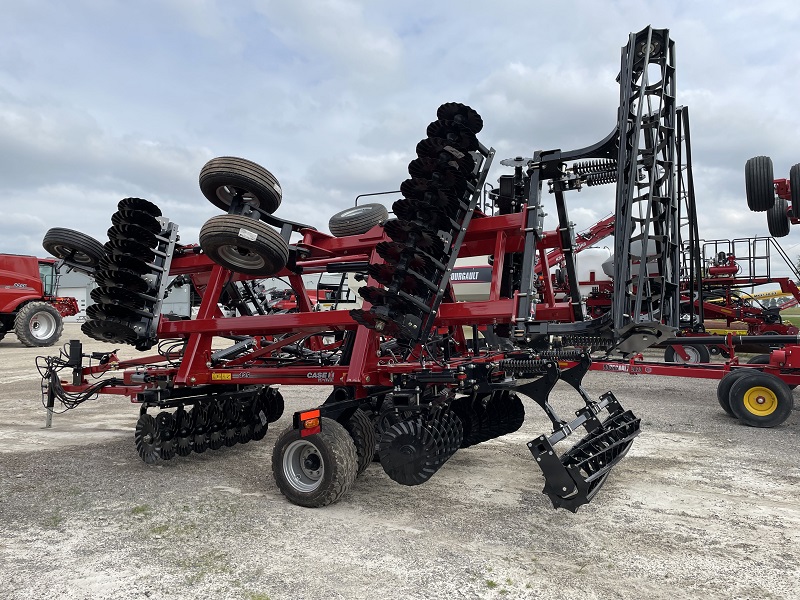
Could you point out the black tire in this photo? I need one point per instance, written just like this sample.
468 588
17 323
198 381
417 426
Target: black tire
244 245
758 183
221 178
361 429
698 354
759 359
778 221
316 470
762 400
794 188
73 246
357 220
725 384
38 324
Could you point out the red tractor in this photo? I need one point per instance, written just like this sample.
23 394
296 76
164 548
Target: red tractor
28 304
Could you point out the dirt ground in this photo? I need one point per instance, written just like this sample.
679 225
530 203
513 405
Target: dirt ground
702 507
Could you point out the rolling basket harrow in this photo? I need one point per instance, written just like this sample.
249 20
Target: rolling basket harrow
415 374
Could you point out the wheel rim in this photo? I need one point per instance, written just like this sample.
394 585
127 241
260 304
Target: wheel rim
241 258
42 325
760 401
226 193
73 254
303 466
692 353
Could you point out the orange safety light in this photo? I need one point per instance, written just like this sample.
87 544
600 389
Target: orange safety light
309 423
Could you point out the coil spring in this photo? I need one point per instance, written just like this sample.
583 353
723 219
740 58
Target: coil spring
601 178
526 365
587 341
561 354
590 166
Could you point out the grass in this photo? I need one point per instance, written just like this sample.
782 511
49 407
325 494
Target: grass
491 584
141 509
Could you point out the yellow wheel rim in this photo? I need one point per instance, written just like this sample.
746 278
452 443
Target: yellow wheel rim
760 401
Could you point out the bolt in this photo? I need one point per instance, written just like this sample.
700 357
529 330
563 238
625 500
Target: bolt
366 379
192 380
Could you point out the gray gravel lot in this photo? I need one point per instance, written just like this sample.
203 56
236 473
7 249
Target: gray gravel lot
702 507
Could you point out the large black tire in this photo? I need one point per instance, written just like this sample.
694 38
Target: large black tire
316 470
222 178
794 188
697 354
758 183
38 324
759 359
778 221
357 220
361 429
73 246
725 384
244 245
761 400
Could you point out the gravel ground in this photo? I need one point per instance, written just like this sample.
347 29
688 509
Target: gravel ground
701 507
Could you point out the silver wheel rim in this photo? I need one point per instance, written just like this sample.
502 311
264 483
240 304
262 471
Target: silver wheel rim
303 466
73 254
226 194
241 258
42 325
693 354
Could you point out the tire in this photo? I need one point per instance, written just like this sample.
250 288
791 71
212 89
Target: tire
357 220
762 400
758 183
794 188
763 359
38 324
244 245
759 359
361 429
73 246
778 221
725 384
697 354
328 469
221 178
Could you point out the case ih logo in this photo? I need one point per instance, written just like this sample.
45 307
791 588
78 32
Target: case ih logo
320 375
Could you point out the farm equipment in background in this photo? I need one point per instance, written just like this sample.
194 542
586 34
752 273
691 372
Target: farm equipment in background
408 387
28 303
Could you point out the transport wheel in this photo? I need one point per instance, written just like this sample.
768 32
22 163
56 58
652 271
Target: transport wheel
762 400
778 218
223 178
758 183
73 246
357 220
148 442
794 188
360 428
725 384
244 245
38 324
697 355
316 470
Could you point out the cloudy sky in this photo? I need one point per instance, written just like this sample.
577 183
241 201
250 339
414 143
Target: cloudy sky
103 99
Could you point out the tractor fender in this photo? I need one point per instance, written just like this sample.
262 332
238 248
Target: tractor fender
12 305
